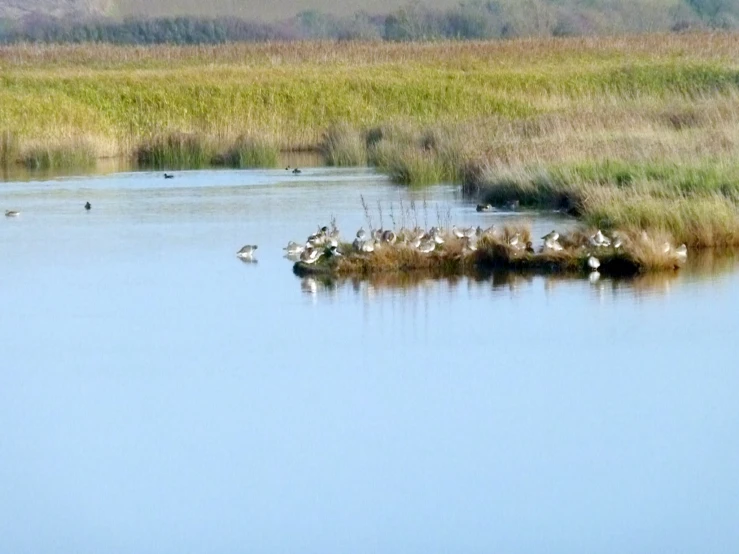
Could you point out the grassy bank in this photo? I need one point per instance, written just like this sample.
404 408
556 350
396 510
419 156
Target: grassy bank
117 98
626 132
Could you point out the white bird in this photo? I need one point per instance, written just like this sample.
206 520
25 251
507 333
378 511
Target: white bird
469 245
515 240
427 246
311 255
435 234
681 252
317 240
599 239
247 252
294 248
456 232
552 244
469 232
12 213
361 234
593 263
389 237
554 235
368 246
666 248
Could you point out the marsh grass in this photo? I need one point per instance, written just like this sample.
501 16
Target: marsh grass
249 152
341 145
9 149
638 131
72 155
175 151
696 203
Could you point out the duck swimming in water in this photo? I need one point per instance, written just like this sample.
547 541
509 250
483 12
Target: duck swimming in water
296 171
88 206
484 208
12 213
168 176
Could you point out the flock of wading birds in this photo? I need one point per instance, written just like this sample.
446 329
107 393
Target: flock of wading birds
326 241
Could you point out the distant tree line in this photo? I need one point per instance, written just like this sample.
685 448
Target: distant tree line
470 20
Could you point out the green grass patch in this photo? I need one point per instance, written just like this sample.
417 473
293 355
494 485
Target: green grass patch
175 151
249 152
342 145
68 156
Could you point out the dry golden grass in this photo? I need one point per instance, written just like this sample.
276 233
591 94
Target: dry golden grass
623 131
291 93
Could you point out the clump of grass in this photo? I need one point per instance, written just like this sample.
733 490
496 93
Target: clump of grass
9 149
78 154
434 155
712 221
341 145
495 252
408 165
697 204
249 152
175 150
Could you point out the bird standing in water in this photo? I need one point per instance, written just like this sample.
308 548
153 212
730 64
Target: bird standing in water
88 206
247 252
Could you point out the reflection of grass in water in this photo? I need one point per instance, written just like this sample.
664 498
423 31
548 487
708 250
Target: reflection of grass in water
706 264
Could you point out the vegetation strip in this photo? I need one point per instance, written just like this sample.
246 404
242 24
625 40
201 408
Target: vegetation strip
626 133
463 251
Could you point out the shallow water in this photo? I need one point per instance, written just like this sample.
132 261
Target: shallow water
158 395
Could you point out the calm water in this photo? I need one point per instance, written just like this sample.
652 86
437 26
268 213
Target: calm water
159 396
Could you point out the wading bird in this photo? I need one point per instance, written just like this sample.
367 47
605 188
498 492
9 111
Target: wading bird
247 252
